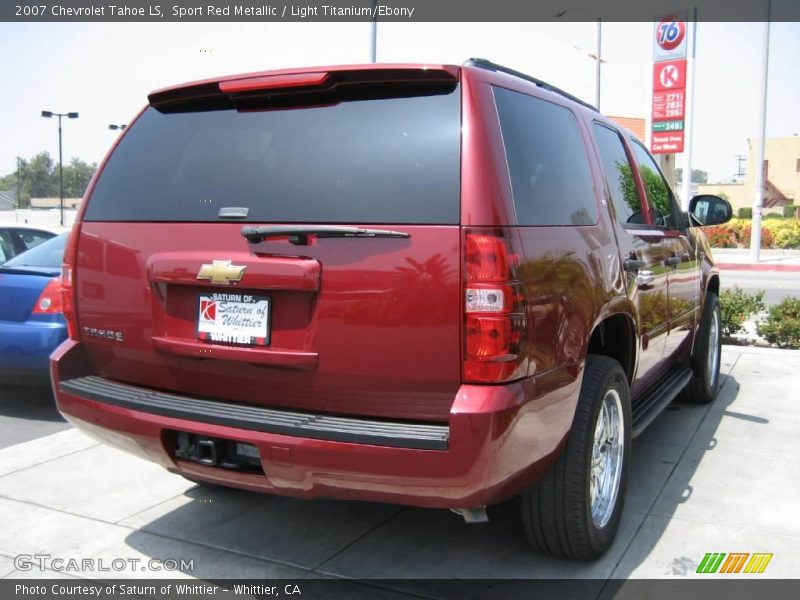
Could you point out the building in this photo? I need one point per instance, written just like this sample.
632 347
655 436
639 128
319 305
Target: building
636 126
781 177
55 202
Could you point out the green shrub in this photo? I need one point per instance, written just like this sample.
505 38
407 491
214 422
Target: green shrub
788 210
735 225
767 237
720 236
785 232
776 232
746 212
736 305
782 326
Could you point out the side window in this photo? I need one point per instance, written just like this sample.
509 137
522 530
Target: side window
6 247
658 193
619 176
547 161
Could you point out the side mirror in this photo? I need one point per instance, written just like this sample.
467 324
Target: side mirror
706 209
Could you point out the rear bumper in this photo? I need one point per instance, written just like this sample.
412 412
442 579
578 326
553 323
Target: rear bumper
25 350
499 439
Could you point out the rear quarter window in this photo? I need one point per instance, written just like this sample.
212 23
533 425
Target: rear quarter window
547 161
378 160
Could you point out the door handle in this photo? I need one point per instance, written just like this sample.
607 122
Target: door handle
673 261
633 264
645 278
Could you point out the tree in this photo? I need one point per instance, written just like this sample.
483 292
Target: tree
698 175
76 177
654 187
39 178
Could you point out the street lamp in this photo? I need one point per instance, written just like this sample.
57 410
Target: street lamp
598 57
373 33
114 126
72 115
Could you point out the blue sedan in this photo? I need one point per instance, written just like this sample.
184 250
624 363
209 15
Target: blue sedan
31 321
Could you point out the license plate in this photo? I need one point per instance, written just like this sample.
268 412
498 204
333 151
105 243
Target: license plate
231 318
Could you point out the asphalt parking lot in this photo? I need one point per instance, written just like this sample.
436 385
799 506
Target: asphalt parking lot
27 413
721 478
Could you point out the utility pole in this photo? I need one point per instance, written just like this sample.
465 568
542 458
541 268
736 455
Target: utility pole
758 194
19 175
599 60
686 183
740 158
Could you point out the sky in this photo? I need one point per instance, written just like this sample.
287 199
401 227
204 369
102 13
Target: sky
104 71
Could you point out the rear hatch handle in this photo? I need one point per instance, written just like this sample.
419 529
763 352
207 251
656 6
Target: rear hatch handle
298 234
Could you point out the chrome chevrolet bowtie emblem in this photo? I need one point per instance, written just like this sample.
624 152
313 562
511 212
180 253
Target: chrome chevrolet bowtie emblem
221 271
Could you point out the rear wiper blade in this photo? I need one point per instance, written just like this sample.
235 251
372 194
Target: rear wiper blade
298 234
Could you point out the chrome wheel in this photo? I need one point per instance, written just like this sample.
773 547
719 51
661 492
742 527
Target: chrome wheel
607 455
713 350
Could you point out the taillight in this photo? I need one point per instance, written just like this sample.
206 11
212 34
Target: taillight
68 282
495 322
49 301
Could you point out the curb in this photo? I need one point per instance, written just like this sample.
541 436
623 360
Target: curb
757 267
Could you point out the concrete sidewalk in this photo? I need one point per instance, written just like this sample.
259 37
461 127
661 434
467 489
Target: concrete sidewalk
769 260
719 478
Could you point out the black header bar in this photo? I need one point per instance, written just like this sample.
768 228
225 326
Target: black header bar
391 10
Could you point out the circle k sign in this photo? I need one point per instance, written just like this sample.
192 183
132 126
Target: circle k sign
669 75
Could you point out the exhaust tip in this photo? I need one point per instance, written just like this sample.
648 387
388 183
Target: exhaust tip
472 515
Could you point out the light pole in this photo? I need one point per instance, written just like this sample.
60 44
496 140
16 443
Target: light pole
373 33
598 57
72 115
114 126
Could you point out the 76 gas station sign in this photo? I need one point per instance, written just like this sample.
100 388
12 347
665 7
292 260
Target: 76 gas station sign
670 40
669 86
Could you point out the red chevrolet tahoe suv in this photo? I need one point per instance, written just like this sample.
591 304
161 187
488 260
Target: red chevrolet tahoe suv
440 286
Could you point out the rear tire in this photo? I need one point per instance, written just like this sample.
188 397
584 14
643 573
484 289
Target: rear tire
704 385
574 511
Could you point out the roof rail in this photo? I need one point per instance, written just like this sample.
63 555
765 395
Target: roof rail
482 63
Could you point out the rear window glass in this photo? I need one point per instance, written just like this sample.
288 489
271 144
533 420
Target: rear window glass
46 254
547 161
31 237
386 160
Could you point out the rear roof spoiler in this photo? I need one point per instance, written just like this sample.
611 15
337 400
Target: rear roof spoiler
286 82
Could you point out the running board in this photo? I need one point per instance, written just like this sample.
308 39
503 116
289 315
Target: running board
658 397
